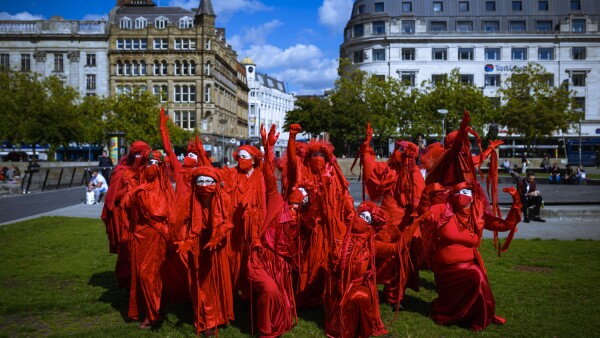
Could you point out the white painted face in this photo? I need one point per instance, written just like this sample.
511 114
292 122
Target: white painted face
205 180
152 162
467 192
245 155
192 155
366 216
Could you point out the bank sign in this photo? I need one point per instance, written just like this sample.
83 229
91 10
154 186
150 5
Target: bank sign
501 68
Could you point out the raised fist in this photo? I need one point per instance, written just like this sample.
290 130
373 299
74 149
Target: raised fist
496 143
163 118
465 121
369 135
295 129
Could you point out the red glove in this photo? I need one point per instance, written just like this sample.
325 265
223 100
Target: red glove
369 135
273 136
295 129
184 247
496 143
465 122
163 118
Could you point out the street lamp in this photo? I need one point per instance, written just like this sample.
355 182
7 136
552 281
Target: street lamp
444 112
223 122
579 112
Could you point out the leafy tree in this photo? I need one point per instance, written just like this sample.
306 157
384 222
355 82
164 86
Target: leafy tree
533 107
312 113
93 110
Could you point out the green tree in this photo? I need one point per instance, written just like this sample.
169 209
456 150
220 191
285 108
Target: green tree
93 111
312 113
533 106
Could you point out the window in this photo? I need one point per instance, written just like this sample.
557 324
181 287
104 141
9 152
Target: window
59 63
439 53
519 53
578 79
490 6
4 61
161 92
408 78
575 5
186 22
492 80
437 79
185 44
546 53
141 23
466 79
160 68
463 6
185 119
90 80
207 44
142 66
160 44
543 26
578 26
120 44
549 78
125 23
408 54
578 53
359 30
160 23
492 53
438 6
358 56
185 93
438 26
379 7
378 54
464 26
90 60
379 27
119 68
407 7
25 62
207 93
517 6
466 53
516 26
408 26
543 5
132 44
490 26
361 9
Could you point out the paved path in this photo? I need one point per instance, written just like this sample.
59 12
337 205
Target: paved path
573 218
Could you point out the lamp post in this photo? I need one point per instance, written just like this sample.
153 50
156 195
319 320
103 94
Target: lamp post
579 112
443 112
223 122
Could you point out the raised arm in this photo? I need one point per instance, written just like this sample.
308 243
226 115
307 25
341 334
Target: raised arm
292 159
166 141
514 215
268 169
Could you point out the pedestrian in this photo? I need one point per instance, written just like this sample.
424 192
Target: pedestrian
524 162
530 197
105 164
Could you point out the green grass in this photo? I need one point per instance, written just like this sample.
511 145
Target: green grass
56 279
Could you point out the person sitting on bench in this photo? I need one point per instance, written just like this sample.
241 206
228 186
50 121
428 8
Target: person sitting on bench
98 185
530 197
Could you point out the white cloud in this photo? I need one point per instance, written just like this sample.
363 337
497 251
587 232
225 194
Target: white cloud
95 17
20 16
335 13
302 67
224 9
254 35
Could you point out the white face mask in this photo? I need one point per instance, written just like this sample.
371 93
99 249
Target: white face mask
467 192
205 180
366 216
245 155
192 155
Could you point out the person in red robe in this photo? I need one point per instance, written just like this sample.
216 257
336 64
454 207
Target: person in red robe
114 214
246 188
464 294
398 185
150 198
273 258
331 208
204 249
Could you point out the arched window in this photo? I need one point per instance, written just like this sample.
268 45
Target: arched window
141 23
134 68
156 68
127 70
192 67
142 67
177 68
125 23
186 22
119 67
207 68
207 44
161 92
161 22
163 68
207 93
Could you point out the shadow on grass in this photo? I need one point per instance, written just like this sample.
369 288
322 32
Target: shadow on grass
113 295
315 315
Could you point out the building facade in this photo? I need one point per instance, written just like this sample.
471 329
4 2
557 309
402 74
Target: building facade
186 62
269 102
415 41
74 51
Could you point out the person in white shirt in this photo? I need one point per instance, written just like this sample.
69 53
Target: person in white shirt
98 184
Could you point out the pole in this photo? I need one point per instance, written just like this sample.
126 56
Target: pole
579 140
223 122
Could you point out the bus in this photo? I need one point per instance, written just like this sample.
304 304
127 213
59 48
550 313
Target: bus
588 151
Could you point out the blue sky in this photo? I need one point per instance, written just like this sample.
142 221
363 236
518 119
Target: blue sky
296 41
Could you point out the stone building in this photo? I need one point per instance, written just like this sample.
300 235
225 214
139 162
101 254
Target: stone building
184 60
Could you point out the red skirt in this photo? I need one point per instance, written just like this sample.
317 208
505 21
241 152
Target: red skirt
464 296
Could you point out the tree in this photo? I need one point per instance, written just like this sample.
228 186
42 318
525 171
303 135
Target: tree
534 107
312 113
93 111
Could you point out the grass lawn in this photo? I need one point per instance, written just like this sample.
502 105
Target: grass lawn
57 280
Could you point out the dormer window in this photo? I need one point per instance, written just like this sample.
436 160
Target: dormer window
125 23
141 23
186 22
161 23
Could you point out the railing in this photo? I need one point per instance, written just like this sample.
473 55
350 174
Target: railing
54 178
52 27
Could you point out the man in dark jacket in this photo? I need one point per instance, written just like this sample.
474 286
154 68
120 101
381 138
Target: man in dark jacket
530 197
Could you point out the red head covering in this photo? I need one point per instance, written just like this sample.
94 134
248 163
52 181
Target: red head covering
218 206
252 150
139 147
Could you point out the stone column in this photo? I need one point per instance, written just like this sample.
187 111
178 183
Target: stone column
40 62
74 70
